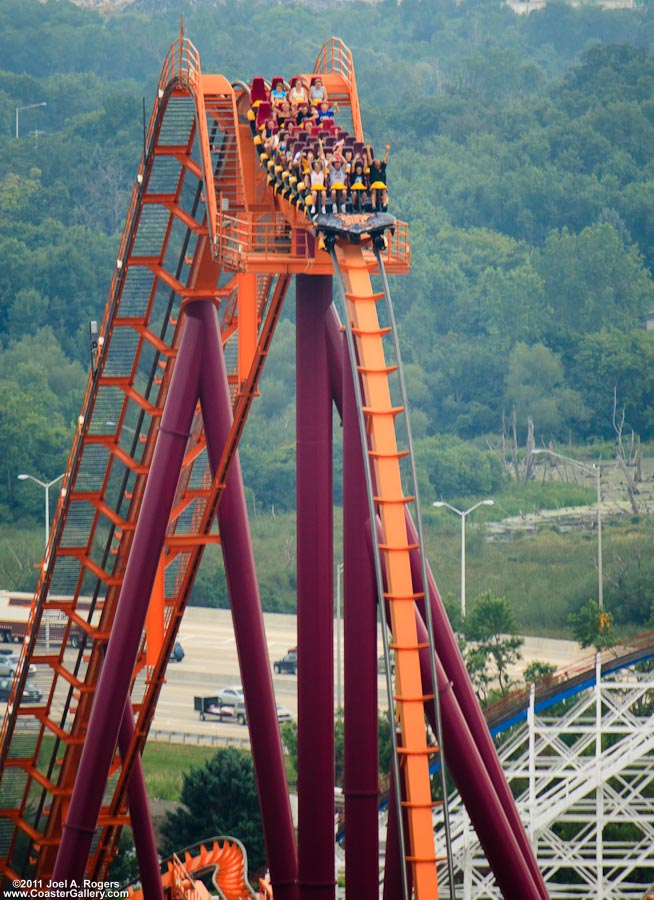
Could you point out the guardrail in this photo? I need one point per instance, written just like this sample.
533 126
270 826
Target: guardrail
246 236
196 738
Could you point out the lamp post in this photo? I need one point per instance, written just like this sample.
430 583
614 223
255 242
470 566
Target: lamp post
596 472
20 109
463 515
339 690
46 485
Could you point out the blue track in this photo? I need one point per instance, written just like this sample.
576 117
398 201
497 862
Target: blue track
548 695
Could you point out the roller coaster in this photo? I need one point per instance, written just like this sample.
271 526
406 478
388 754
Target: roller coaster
214 234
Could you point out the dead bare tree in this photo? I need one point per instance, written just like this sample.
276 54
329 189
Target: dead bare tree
621 456
514 446
509 456
500 451
530 447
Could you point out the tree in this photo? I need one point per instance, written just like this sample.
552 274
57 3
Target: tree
536 386
227 781
384 725
33 437
617 364
592 627
456 468
124 868
490 628
594 280
538 671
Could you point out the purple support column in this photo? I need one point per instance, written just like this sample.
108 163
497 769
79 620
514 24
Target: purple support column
139 811
267 753
336 355
454 665
112 690
315 608
473 782
360 627
455 668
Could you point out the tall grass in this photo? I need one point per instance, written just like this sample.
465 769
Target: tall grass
545 575
164 766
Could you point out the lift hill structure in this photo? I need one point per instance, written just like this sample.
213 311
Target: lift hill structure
206 259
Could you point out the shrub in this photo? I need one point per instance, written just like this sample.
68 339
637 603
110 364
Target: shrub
456 468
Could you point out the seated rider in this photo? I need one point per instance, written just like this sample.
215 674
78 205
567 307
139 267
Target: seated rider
303 113
317 91
377 178
277 92
325 111
315 182
283 112
299 92
338 183
358 185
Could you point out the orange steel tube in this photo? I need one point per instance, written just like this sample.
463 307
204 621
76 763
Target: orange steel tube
154 621
247 323
396 557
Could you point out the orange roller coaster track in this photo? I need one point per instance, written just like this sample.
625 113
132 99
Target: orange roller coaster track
214 234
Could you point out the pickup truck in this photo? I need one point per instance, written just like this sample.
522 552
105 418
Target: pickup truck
287 664
210 706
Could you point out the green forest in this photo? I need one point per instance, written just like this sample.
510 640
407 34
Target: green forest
521 159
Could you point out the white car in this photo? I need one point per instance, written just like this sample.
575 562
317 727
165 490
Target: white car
283 714
230 696
9 667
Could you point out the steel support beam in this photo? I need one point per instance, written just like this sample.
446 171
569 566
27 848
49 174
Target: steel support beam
251 645
361 786
315 612
112 692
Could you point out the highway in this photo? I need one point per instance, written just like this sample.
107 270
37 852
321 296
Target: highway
210 663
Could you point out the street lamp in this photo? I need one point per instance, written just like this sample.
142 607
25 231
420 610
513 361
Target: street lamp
20 109
463 515
596 472
339 692
46 485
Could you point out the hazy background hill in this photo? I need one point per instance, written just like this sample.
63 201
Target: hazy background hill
521 157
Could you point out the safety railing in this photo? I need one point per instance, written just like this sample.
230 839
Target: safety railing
398 249
182 67
244 237
610 658
182 886
336 57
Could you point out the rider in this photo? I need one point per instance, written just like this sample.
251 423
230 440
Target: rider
338 183
358 185
316 183
377 178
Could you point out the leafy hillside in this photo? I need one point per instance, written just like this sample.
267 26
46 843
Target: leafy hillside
521 157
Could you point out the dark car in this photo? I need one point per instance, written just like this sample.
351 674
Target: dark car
287 664
381 664
31 693
177 654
